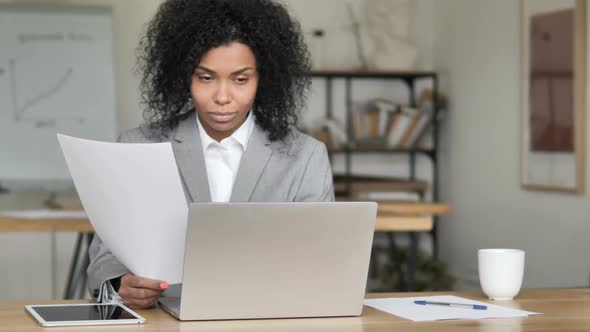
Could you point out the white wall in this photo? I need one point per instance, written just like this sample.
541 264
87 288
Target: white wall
477 54
333 17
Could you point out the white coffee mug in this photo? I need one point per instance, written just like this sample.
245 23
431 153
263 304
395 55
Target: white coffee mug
500 272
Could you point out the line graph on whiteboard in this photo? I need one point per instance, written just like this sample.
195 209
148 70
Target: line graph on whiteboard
57 75
36 106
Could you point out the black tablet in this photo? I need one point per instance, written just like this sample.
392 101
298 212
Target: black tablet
83 314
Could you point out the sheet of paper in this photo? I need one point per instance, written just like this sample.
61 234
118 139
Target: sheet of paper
43 214
133 197
406 308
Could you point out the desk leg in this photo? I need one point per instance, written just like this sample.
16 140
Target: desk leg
408 279
53 266
412 262
395 263
68 293
83 275
77 277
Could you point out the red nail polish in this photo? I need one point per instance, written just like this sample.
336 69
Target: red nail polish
164 285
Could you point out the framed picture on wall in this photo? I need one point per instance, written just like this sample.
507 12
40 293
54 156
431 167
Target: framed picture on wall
553 95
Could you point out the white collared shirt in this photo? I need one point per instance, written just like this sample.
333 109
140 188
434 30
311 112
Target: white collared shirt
222 159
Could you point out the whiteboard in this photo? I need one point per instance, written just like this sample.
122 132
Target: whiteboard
56 75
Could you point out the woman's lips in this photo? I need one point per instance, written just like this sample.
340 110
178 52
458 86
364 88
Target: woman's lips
222 117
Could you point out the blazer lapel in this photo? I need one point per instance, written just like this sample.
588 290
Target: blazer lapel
188 151
253 162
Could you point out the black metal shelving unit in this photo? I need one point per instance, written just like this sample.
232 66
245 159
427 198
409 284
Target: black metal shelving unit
409 78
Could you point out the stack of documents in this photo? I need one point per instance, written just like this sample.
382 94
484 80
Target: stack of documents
133 196
407 308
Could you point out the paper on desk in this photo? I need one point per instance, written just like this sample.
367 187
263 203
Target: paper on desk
43 214
133 197
406 308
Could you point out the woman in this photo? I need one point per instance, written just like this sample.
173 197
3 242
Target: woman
223 81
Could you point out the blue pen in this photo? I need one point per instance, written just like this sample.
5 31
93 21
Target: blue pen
455 305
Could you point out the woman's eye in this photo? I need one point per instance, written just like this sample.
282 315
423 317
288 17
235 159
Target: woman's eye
241 80
205 78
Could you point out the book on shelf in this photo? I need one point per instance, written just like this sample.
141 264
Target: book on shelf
371 122
423 122
331 132
358 125
388 124
402 124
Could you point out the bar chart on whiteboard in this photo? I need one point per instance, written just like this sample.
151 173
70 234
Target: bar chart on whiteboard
56 76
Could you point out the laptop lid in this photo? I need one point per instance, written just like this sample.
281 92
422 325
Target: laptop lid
276 260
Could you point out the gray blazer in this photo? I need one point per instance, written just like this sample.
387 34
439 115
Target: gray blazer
296 169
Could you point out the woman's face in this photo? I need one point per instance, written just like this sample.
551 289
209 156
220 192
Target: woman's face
223 88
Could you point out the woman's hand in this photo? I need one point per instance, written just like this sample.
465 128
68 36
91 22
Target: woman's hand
139 292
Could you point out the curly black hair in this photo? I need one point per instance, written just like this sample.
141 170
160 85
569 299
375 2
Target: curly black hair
182 31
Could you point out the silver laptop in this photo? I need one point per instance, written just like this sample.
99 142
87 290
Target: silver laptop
274 260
